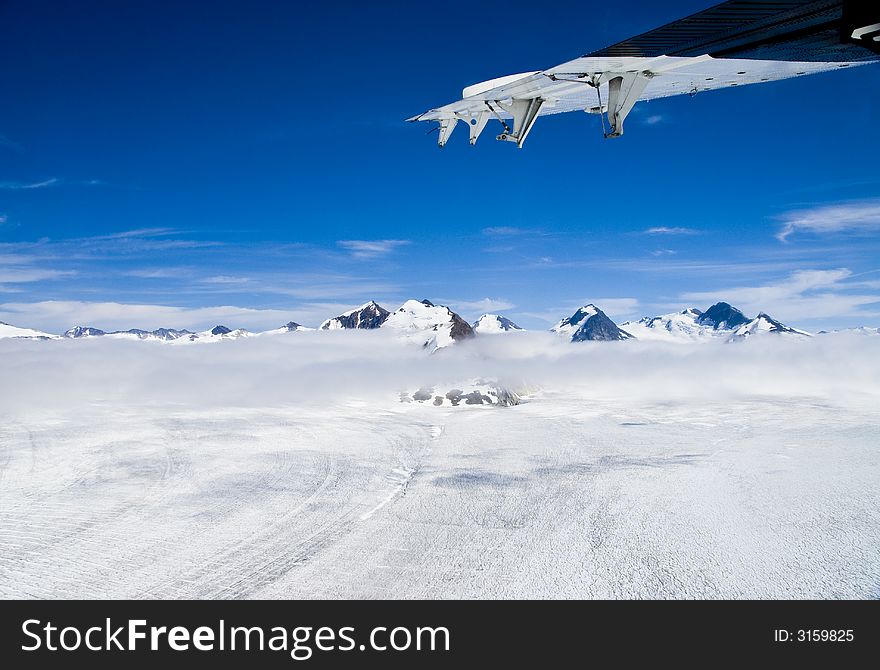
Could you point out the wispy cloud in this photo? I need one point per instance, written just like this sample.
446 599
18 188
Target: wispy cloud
863 217
371 248
156 273
504 231
3 219
20 275
137 232
671 230
483 306
26 185
805 295
654 119
664 252
58 315
225 280
616 308
8 143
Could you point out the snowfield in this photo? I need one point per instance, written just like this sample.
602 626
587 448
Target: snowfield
288 466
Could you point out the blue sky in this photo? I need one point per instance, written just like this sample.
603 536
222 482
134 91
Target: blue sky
183 164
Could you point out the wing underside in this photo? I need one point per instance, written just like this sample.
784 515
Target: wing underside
733 44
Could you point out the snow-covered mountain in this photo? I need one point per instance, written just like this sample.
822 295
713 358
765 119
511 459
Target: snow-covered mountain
682 327
289 327
84 331
370 315
721 321
161 334
435 326
431 326
216 334
860 330
589 323
8 330
494 323
764 324
722 316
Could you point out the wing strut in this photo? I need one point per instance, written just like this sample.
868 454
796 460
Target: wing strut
525 113
623 92
446 128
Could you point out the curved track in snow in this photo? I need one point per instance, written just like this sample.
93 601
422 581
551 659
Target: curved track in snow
553 498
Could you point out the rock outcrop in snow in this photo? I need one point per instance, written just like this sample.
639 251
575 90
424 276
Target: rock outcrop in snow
368 316
476 392
494 323
590 323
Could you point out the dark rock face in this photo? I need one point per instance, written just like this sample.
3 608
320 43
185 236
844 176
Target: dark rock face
461 329
292 326
581 314
594 326
489 394
722 315
372 315
220 330
599 327
476 398
84 331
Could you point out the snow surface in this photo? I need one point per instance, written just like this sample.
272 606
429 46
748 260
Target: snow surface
764 325
429 326
7 330
491 324
289 467
364 316
569 325
679 327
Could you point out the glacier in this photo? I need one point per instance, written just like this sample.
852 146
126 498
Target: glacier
288 467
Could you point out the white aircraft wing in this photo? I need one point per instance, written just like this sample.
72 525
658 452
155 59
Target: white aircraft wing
733 44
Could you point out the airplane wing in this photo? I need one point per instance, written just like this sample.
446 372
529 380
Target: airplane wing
733 44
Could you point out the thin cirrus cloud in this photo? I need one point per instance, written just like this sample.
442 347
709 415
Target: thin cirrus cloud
58 315
806 295
671 230
24 275
616 308
371 248
852 217
11 144
484 306
502 231
26 185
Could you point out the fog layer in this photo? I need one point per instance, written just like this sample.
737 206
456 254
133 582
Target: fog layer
330 367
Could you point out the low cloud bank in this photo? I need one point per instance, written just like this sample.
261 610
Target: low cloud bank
324 368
